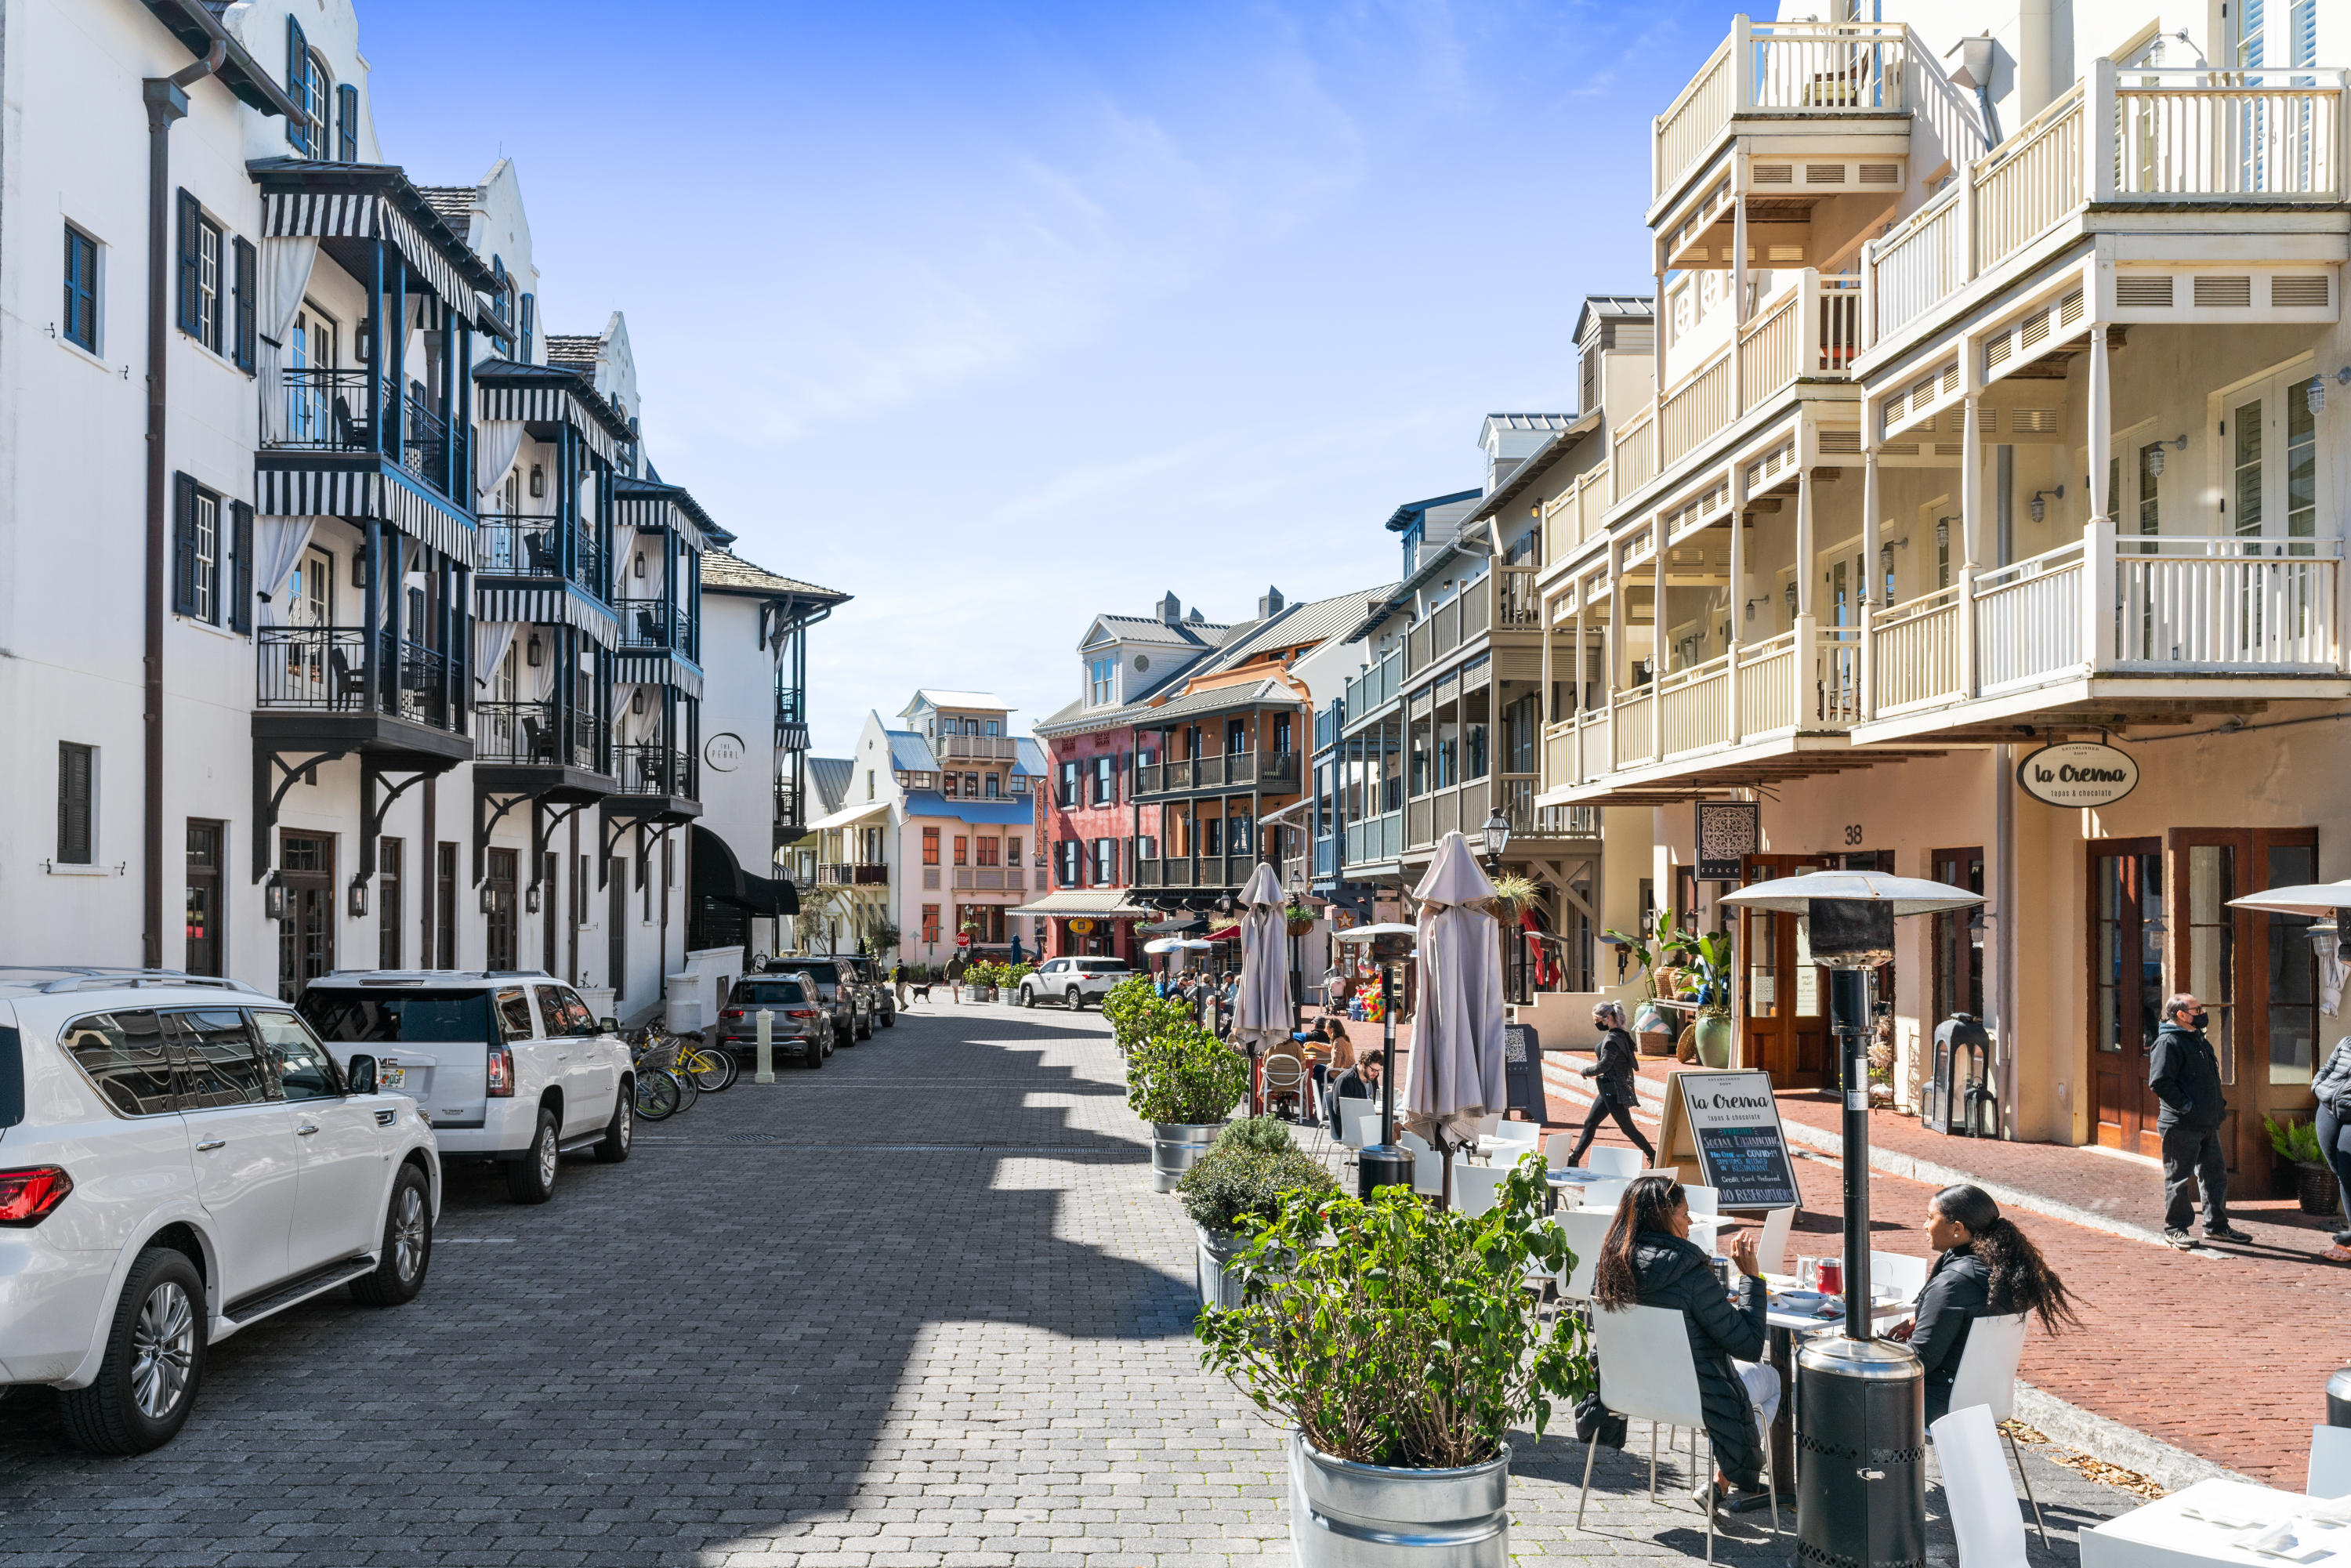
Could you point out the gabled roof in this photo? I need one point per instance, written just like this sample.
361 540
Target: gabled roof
909 753
198 28
1301 625
1027 757
1620 307
453 203
1151 628
934 697
1411 512
1218 700
723 571
1536 464
828 781
1530 421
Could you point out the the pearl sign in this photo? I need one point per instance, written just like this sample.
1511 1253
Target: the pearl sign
2080 773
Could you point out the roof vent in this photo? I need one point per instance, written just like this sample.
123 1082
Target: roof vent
1170 611
1196 619
1268 603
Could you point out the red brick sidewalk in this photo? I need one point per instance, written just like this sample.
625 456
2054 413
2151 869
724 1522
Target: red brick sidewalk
2223 1353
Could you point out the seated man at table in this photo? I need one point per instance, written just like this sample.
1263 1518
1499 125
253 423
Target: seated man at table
1648 1261
1984 1267
1361 1081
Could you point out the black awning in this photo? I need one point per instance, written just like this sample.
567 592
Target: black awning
717 874
771 896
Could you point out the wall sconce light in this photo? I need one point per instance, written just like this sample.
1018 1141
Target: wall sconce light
1790 595
358 898
2039 506
530 899
1942 534
273 898
534 653
538 481
2155 455
358 568
637 701
2314 393
641 563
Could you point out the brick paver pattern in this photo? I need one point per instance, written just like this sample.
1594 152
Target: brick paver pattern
921 1307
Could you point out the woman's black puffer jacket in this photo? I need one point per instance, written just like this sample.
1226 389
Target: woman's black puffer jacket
1676 1275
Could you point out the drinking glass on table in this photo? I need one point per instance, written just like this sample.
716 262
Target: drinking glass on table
1808 1273
1832 1277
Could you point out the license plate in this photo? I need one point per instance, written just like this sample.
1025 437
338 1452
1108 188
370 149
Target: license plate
391 1075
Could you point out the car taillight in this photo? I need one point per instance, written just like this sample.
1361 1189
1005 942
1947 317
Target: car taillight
501 1072
734 1014
26 1196
800 1013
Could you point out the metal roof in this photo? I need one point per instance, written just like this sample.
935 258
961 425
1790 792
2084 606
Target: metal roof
1532 421
1027 757
909 753
936 697
828 780
1013 812
1535 465
1621 307
1301 626
1219 699
1411 512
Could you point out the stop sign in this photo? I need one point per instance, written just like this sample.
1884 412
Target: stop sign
963 940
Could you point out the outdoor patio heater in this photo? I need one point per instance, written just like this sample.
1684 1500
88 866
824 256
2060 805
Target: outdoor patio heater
1860 1411
1385 1163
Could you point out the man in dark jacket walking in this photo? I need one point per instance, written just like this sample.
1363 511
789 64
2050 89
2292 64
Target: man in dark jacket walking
2185 1073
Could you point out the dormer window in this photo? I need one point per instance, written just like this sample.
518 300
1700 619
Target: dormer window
1102 680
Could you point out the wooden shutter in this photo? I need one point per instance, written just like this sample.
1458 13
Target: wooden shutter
73 804
240 598
346 124
298 86
248 272
192 236
183 545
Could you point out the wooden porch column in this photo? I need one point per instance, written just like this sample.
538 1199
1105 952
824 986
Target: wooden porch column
1971 501
1615 649
1873 571
1657 528
1806 565
372 618
1732 726
2101 420
1738 277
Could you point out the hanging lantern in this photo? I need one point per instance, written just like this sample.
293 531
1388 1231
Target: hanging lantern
534 652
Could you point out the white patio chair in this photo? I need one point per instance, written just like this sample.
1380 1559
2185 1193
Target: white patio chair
2330 1463
1511 1140
1646 1371
1771 1246
1604 1194
1427 1166
1611 1161
1703 1199
1585 1229
1987 1376
1989 1529
1474 1186
1901 1271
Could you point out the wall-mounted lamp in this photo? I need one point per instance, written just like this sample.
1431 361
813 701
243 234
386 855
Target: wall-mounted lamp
1942 534
530 899
2155 455
1750 609
637 700
2314 393
641 563
272 897
534 653
538 481
358 897
1789 594
2039 506
489 899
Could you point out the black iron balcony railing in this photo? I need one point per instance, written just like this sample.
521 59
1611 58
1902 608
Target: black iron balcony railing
425 450
326 411
645 769
791 719
532 734
517 545
323 669
856 875
1238 769
650 623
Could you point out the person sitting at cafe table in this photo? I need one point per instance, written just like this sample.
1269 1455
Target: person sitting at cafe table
1649 1260
1984 1267
1359 1082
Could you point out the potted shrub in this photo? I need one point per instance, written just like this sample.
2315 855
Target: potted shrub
1183 1081
1239 1185
1398 1345
1297 919
1703 961
2297 1143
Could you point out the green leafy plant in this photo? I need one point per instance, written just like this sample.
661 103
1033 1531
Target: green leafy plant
1705 957
1181 1072
1514 893
2294 1140
1391 1333
1266 1134
1647 950
1136 1009
1240 1182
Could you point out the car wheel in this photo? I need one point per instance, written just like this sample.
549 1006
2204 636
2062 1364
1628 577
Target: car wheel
865 1029
890 1020
154 1361
407 1250
813 1054
531 1179
1074 999
1028 996
621 1132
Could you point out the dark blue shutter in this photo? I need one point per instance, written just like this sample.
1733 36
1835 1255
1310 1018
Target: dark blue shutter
240 575
347 123
247 276
529 316
183 545
192 235
298 86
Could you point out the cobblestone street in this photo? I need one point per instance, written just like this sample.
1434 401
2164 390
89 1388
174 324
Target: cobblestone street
921 1307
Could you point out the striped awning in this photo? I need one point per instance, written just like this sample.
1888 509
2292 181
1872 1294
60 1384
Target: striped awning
650 513
657 669
364 215
358 493
548 604
545 405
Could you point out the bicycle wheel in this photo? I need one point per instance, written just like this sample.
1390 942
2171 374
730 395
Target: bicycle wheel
687 1093
657 1095
712 1071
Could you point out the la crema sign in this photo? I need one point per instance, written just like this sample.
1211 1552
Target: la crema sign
2078 773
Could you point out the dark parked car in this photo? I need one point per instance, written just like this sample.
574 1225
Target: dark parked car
843 997
876 977
798 1025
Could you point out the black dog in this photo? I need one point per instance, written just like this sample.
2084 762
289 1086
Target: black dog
920 993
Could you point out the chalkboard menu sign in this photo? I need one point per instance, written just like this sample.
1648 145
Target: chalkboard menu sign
1734 1124
1522 1071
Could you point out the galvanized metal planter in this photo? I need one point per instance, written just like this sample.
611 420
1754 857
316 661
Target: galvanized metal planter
1346 1515
1176 1147
1216 1249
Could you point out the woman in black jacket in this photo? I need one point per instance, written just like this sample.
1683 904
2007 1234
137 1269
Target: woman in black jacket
1614 1074
1984 1267
1648 1261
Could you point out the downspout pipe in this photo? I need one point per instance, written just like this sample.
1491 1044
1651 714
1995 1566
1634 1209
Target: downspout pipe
167 102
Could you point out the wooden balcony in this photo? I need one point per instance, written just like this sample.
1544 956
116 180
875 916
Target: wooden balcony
1196 872
2108 631
989 878
1373 691
1831 73
1273 771
975 748
862 874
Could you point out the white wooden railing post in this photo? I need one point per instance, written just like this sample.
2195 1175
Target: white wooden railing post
1733 727
1967 630
2098 593
1865 331
1742 66
1866 665
1810 326
1965 222
2098 133
1807 669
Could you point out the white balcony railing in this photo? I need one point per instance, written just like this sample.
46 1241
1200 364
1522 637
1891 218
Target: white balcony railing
2120 136
1809 332
1821 67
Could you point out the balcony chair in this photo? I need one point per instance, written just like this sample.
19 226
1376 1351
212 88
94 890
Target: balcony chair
346 682
649 629
351 436
536 559
537 745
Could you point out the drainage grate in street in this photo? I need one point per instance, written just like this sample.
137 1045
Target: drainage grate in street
749 1138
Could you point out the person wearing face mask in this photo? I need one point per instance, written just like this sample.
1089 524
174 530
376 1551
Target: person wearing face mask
2185 1074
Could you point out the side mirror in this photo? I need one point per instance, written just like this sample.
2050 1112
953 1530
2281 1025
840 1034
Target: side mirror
609 1026
359 1076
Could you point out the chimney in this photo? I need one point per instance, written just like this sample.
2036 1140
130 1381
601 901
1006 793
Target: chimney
1268 604
1171 610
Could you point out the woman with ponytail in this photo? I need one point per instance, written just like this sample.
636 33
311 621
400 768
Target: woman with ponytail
1984 1267
1648 1261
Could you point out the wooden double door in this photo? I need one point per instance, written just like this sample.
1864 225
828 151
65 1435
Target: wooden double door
1784 997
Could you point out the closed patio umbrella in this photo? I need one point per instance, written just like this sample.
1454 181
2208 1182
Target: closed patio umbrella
1261 1003
1455 1086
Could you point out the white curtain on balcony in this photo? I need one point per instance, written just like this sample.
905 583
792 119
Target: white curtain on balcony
285 274
277 545
500 442
491 641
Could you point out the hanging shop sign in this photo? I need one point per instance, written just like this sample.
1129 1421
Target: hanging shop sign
2078 773
1727 831
1082 927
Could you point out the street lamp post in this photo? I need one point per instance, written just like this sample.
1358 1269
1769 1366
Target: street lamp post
1297 951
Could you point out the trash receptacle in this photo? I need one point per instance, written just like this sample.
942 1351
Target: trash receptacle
1959 1099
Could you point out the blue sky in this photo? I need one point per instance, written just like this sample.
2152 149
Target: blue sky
998 315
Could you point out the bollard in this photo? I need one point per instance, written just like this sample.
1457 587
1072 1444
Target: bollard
767 1073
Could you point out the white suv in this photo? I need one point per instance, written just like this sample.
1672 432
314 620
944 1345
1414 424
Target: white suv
179 1159
1073 980
510 1066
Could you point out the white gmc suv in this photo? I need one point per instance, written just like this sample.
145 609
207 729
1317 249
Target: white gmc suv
510 1065
179 1159
1072 981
